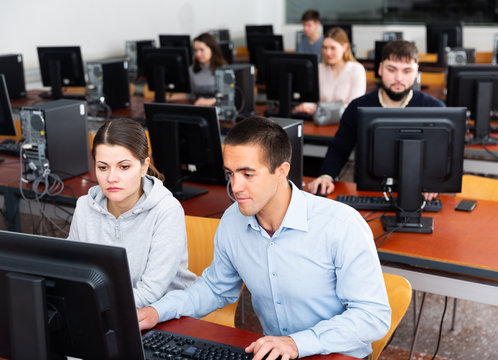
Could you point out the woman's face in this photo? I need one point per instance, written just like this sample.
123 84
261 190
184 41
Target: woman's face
202 52
119 174
333 51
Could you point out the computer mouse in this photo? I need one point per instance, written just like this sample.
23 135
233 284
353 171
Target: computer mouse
319 192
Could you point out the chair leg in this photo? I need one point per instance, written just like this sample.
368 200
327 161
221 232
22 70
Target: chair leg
414 297
412 348
242 302
454 314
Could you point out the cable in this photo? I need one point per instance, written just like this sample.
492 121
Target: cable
242 98
441 327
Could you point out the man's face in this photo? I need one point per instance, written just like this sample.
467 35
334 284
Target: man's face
311 28
398 76
253 186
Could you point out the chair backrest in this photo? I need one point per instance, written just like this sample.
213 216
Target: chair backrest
200 236
479 188
200 239
399 292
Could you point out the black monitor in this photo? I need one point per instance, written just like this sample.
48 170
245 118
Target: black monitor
379 45
64 298
439 36
12 67
409 150
166 69
259 30
220 34
291 77
140 45
182 41
227 50
348 28
7 127
475 86
186 146
257 45
61 66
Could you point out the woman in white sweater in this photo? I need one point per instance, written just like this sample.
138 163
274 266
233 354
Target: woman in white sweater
131 208
341 77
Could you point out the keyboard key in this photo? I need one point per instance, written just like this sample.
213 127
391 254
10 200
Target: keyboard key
379 203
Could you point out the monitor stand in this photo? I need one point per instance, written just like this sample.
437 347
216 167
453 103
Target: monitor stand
186 192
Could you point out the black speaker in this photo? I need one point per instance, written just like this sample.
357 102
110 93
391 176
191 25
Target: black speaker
12 67
108 82
56 138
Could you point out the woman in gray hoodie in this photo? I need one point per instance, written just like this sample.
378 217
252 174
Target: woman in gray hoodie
132 209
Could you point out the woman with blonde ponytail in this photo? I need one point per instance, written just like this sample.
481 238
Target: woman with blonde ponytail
131 208
341 77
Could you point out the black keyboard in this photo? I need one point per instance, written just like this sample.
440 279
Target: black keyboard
9 148
159 344
379 203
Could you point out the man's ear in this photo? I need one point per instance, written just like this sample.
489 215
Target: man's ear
380 69
283 170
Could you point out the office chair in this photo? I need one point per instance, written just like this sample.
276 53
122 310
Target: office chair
479 188
200 236
399 292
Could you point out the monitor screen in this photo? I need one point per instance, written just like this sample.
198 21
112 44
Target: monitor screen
166 69
63 298
61 66
259 30
140 45
7 127
182 41
410 150
226 47
379 45
186 146
257 45
291 77
475 86
12 67
439 36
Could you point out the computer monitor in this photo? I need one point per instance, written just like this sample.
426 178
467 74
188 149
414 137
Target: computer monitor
63 298
166 69
134 50
348 28
257 46
227 50
220 34
291 77
475 86
439 36
379 45
409 150
259 30
12 67
7 127
61 66
182 41
186 146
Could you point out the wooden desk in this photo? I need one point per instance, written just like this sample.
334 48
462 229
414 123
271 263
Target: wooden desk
459 259
211 204
224 334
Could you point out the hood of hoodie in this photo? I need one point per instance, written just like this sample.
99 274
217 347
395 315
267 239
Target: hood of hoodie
154 192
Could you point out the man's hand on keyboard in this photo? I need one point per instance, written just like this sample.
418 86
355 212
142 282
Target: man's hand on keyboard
275 346
430 196
324 182
147 317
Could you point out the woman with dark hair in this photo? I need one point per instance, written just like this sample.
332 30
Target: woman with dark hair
341 77
131 208
207 57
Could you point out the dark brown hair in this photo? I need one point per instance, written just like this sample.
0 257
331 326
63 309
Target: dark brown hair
338 34
310 14
266 133
400 50
129 134
217 58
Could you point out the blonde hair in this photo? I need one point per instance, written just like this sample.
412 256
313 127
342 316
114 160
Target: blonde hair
338 34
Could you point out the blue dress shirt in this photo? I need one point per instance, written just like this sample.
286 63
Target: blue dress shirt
318 279
306 47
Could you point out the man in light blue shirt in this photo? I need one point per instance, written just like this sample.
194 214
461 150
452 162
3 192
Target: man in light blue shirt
313 37
309 262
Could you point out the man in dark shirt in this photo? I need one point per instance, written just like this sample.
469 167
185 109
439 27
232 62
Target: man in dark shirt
398 72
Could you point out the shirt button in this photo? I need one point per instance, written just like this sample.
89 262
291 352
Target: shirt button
284 329
279 302
272 243
273 274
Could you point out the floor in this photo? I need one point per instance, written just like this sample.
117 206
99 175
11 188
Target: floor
474 335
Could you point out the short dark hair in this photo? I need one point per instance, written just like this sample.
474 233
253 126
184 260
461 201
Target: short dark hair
400 50
129 134
310 14
258 130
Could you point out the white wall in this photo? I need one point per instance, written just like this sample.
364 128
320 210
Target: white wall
101 27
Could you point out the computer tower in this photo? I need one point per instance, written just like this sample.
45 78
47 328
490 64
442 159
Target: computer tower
56 138
244 88
294 129
108 82
12 67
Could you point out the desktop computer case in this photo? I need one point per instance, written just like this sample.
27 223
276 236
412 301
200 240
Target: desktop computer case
294 129
12 67
109 79
56 131
244 87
